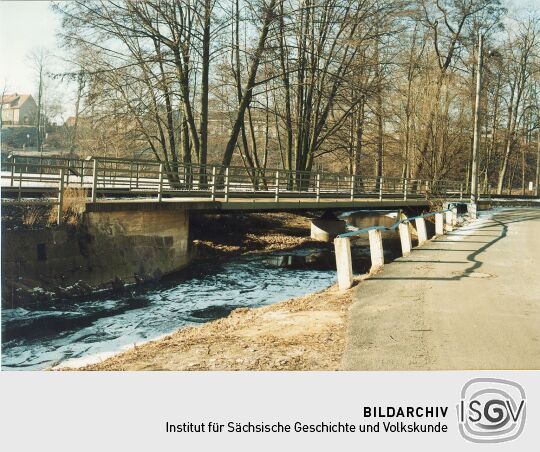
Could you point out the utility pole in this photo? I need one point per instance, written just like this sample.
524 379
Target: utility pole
476 136
536 190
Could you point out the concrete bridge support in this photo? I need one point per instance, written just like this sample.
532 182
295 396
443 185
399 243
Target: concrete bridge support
107 249
326 228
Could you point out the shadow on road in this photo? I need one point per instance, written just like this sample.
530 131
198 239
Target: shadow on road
499 219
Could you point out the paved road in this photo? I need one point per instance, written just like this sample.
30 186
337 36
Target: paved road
469 300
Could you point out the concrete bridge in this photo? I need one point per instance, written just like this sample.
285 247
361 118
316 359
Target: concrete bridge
142 186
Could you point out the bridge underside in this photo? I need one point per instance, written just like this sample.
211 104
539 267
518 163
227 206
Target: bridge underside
256 205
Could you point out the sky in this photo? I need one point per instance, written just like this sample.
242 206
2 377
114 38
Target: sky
28 25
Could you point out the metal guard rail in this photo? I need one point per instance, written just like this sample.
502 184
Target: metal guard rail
390 228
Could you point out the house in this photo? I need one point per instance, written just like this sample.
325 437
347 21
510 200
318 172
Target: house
18 110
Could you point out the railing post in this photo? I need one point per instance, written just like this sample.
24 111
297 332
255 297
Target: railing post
277 187
342 247
318 183
94 180
137 176
352 188
405 189
60 213
160 186
439 224
20 182
376 248
461 191
227 184
213 196
12 169
82 173
405 237
380 188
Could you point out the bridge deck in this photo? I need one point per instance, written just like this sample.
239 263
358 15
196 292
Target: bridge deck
255 204
469 300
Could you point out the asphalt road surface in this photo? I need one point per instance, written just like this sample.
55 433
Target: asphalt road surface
467 300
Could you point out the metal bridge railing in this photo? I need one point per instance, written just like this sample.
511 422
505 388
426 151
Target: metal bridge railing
37 177
103 176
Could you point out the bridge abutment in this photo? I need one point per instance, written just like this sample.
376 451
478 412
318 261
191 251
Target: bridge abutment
327 227
105 250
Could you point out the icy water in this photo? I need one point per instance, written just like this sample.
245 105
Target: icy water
72 331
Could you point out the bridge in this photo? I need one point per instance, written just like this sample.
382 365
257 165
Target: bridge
135 214
126 184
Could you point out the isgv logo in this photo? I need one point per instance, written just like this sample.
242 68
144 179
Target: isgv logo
491 410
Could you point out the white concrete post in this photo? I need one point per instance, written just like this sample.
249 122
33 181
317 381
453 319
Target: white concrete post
380 188
421 230
318 181
60 213
352 188
213 183
160 186
82 175
342 248
277 187
461 191
376 248
439 224
472 210
227 184
94 181
448 218
405 237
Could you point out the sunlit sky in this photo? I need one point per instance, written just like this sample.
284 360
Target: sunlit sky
28 25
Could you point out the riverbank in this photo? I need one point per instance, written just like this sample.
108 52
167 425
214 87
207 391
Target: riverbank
304 333
222 235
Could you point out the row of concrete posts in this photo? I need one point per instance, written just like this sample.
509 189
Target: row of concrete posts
444 222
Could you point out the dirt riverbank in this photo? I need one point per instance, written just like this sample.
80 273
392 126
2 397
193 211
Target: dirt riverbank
305 333
224 235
